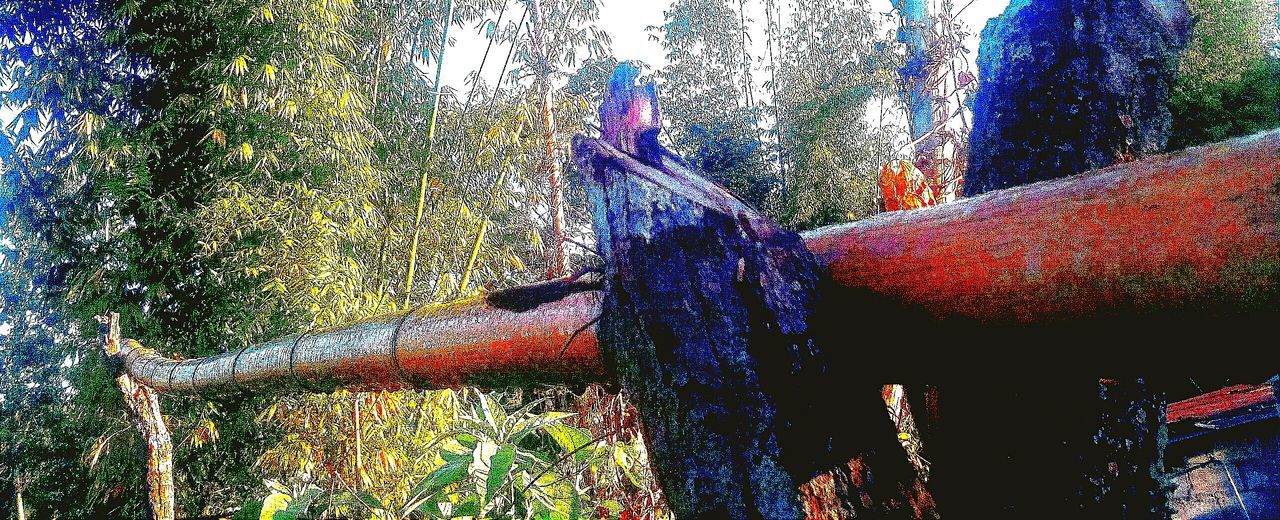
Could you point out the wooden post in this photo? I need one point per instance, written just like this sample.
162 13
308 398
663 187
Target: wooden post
143 404
710 323
22 511
556 259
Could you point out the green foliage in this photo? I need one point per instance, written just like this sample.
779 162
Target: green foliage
226 172
817 163
1228 80
500 465
1221 110
705 93
1228 38
833 66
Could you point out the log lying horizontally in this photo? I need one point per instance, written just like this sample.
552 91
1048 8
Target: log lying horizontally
485 342
1195 232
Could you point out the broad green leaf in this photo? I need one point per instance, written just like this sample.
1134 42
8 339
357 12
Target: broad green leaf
499 466
453 471
251 510
370 500
275 502
470 506
569 439
300 505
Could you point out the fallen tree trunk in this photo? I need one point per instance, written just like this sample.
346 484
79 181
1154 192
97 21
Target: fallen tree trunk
539 334
1157 247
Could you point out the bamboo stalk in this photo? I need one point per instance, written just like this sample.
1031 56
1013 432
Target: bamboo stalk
431 134
556 261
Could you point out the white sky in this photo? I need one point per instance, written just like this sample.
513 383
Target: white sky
626 21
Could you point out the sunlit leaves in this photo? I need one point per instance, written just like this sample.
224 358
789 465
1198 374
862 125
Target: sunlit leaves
205 433
269 73
498 468
238 66
88 124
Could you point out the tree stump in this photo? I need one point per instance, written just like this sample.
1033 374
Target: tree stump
709 323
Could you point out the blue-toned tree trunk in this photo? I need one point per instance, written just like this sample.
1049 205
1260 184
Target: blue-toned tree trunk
710 324
915 73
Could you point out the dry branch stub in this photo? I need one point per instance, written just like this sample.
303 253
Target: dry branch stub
143 404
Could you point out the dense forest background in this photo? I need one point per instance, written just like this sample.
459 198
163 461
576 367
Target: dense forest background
224 172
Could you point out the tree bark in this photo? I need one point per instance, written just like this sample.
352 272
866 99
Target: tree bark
143 404
710 323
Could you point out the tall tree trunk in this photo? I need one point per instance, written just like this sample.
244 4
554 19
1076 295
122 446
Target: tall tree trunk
143 404
747 83
771 29
914 15
556 261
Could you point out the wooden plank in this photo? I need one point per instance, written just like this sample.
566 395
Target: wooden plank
1219 402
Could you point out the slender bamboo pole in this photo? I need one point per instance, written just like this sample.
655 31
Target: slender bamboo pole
431 135
556 261
484 225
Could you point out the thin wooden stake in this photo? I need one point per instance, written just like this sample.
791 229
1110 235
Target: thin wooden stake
143 404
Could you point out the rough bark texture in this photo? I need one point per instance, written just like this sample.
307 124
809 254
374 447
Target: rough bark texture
1072 85
710 323
1171 247
143 404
